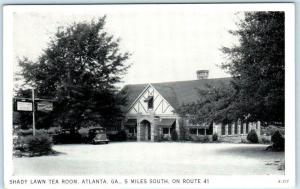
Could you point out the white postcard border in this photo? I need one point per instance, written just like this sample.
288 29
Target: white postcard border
215 181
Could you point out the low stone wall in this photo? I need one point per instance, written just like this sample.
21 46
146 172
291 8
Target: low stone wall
238 138
233 138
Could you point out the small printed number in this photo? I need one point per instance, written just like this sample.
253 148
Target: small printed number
283 181
206 181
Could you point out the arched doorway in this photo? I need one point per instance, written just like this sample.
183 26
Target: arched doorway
145 130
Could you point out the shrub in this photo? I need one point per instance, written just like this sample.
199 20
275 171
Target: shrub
88 124
200 138
215 137
278 141
174 135
244 141
166 138
204 138
39 144
131 137
252 137
265 139
27 132
53 130
121 136
67 138
271 129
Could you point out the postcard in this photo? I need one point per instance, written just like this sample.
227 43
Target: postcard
149 96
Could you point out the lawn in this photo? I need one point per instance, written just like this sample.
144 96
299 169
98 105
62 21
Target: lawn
146 158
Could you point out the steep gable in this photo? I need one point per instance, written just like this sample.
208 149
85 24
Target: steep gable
159 105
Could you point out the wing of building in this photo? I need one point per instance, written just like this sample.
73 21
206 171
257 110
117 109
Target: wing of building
151 115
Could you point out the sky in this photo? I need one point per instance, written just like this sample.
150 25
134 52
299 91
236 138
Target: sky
166 42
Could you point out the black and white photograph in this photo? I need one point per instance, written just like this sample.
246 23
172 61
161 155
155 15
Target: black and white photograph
149 95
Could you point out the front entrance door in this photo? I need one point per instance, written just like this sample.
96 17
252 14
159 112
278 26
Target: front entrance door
145 133
149 131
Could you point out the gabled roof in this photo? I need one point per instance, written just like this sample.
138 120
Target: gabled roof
132 92
177 92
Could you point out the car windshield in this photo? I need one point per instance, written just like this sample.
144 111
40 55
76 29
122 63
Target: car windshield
97 131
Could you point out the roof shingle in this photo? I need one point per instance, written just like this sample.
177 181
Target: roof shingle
177 92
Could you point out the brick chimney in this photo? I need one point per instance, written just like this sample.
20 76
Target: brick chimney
202 74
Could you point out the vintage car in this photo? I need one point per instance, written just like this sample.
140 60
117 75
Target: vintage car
97 135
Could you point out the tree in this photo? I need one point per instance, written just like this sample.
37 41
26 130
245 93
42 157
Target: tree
215 104
257 66
256 91
79 69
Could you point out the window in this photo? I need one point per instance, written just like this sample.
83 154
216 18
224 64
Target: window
201 131
209 131
235 128
149 101
132 130
229 129
193 131
131 123
166 130
223 129
242 128
112 128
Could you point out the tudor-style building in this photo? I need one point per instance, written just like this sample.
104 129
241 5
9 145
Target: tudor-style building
151 116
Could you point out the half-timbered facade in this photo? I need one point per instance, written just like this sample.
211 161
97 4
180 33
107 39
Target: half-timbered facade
150 116
151 111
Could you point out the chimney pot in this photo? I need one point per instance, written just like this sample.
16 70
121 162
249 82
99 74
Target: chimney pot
202 74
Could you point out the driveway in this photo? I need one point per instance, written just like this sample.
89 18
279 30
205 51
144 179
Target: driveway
146 158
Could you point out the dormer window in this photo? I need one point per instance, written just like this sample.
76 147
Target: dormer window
149 101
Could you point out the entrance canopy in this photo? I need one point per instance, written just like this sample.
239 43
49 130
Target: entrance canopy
166 122
131 122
